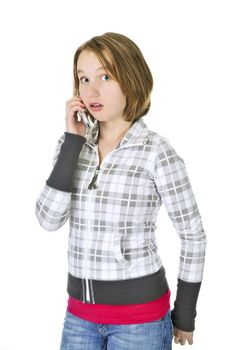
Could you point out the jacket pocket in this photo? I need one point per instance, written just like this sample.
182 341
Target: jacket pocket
119 255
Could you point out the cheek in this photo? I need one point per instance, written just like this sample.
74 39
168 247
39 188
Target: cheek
82 92
118 97
122 101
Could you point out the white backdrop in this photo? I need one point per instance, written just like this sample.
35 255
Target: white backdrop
187 45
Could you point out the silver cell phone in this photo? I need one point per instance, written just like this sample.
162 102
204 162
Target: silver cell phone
88 120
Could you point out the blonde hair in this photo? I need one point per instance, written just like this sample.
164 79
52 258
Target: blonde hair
124 61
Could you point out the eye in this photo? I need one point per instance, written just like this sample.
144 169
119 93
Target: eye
105 77
84 80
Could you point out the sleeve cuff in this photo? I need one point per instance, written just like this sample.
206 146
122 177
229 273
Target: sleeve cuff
62 173
184 311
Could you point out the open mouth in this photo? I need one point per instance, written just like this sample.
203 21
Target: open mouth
95 107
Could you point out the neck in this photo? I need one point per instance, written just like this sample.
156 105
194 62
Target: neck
111 132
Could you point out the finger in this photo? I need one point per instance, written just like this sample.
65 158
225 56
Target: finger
175 332
75 108
78 99
74 98
75 103
176 340
179 341
182 341
190 341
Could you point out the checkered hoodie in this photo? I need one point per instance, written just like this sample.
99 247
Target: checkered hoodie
112 208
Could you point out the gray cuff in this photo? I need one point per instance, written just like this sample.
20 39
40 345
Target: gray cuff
184 312
62 173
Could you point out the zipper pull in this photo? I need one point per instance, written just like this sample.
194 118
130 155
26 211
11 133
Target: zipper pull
93 182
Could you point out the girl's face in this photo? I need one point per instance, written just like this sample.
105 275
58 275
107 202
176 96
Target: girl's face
101 94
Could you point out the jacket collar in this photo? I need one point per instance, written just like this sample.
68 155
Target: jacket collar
137 134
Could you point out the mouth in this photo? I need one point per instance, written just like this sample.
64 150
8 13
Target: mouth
95 107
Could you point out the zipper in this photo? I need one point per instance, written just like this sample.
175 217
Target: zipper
91 186
87 290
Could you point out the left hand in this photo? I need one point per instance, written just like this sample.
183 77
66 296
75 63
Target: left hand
180 337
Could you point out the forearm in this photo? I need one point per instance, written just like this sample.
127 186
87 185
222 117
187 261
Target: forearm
52 208
53 203
192 258
184 311
61 176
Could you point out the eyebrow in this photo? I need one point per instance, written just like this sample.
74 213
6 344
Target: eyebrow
81 71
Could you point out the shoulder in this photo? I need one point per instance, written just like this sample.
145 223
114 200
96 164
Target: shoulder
162 150
158 140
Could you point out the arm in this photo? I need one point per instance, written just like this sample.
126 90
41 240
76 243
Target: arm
53 204
172 184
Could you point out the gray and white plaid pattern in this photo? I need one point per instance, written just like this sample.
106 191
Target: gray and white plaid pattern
112 227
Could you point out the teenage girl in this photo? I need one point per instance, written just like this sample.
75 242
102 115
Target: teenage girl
110 180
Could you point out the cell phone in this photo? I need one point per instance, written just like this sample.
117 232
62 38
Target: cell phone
88 120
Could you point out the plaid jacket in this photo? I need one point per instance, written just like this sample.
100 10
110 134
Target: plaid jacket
113 224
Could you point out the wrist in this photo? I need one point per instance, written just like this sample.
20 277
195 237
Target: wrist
74 132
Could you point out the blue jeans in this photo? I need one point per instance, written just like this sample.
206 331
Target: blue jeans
79 334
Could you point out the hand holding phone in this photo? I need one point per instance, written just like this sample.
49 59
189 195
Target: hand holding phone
74 108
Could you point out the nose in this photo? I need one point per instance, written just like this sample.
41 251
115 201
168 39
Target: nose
92 90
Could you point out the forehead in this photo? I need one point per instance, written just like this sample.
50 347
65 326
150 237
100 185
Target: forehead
88 61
